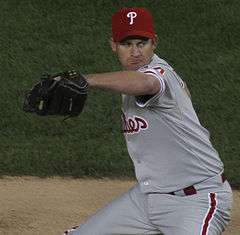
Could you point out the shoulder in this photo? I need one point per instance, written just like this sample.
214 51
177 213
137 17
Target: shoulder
157 66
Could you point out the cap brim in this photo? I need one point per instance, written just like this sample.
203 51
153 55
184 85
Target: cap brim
136 33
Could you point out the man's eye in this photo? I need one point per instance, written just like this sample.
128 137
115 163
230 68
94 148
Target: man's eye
141 44
126 44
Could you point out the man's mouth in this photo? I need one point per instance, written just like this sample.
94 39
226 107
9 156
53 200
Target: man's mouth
135 61
135 64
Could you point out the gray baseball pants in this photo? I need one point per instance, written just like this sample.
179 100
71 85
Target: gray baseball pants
136 213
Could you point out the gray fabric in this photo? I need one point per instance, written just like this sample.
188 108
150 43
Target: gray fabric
169 147
137 213
125 215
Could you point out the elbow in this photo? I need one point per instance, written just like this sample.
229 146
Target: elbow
152 87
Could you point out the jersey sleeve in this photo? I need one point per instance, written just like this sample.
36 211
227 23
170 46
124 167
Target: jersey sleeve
145 100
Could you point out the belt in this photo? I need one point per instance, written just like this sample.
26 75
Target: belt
191 190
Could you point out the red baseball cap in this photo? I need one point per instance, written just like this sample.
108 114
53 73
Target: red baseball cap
134 21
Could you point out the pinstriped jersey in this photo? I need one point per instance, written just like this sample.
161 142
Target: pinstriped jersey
169 147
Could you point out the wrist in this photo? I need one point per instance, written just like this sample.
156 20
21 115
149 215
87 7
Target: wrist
90 80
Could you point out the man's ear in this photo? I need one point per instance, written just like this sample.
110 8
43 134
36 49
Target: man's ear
155 41
113 45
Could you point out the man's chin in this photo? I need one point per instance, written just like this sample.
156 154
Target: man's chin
134 67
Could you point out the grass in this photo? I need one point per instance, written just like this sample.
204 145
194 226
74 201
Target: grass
199 38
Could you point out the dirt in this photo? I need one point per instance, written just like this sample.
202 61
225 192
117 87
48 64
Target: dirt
35 206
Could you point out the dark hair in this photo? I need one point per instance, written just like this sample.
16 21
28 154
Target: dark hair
134 37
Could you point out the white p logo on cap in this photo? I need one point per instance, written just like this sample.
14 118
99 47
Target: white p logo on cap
131 15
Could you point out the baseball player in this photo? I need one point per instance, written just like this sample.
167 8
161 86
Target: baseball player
181 189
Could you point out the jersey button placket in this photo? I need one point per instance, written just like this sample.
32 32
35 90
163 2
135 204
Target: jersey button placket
146 183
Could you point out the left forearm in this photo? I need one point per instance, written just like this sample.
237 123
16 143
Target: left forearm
127 82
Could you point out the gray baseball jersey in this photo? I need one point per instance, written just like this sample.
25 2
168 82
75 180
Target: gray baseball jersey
169 147
171 151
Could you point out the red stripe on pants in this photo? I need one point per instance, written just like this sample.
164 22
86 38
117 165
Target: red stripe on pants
210 213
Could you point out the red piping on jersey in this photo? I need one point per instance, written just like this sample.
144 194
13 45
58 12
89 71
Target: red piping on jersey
210 214
161 70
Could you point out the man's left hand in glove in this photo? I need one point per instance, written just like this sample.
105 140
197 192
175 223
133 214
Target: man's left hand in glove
62 94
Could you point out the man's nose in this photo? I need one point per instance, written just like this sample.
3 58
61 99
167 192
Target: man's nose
135 51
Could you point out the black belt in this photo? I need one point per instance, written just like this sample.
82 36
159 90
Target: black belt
191 190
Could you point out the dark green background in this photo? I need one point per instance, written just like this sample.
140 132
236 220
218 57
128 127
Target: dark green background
199 38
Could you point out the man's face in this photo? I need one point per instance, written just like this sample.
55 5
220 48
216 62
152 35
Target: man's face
134 53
